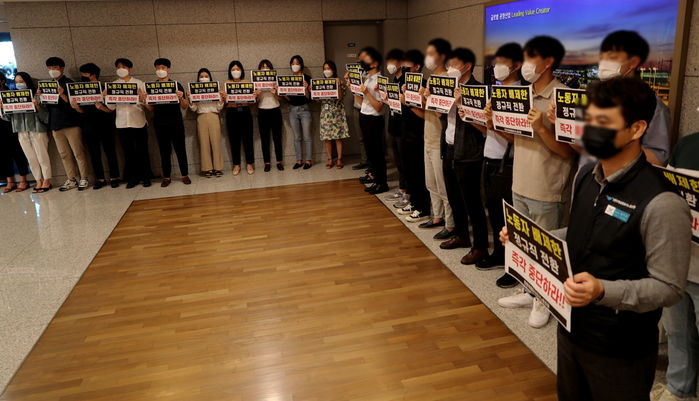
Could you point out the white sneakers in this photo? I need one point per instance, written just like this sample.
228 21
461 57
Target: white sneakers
68 185
407 210
417 216
539 315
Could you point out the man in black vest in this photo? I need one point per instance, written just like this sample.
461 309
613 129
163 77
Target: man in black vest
629 240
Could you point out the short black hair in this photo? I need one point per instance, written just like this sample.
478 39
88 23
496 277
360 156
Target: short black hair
300 60
545 46
236 63
463 54
512 51
374 54
395 54
629 42
332 66
636 99
90 68
123 61
162 61
265 62
206 70
27 79
55 61
441 45
415 56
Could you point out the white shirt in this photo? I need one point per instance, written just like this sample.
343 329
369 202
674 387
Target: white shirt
451 125
206 107
267 100
130 115
372 84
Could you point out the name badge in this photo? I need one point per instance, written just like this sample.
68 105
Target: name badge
617 213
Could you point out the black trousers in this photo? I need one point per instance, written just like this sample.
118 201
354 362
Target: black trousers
100 135
396 147
497 187
11 155
375 145
134 141
270 124
589 376
239 125
468 176
413 151
455 195
171 135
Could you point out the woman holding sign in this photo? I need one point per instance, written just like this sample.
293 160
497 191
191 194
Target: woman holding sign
239 123
209 131
300 117
333 121
33 136
11 154
269 120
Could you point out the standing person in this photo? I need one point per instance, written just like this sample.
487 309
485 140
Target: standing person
98 129
413 149
132 129
394 61
64 122
622 53
497 167
435 60
356 112
681 321
209 131
239 123
463 167
169 127
300 117
371 122
269 120
626 265
333 121
543 167
11 154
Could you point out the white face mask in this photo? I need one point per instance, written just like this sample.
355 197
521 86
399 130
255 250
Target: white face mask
236 74
391 68
454 72
54 73
296 67
501 72
608 69
430 63
529 72
204 79
21 85
122 72
328 73
161 73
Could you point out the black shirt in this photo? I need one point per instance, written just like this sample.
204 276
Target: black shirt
168 113
301 100
395 126
62 115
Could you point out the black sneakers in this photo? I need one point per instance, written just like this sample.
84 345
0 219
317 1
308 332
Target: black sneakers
506 281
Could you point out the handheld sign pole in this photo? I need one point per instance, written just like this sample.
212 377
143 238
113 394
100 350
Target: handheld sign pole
441 96
570 104
85 93
539 261
473 101
511 105
49 92
413 84
240 92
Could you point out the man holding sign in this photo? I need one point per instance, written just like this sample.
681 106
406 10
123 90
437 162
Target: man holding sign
629 245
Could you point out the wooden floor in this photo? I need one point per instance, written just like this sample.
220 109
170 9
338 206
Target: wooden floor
312 292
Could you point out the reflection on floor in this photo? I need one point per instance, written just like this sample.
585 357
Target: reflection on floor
299 292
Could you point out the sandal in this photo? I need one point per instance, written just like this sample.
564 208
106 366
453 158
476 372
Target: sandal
11 186
329 164
339 163
23 186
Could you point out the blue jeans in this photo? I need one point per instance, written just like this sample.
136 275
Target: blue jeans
300 119
549 215
682 324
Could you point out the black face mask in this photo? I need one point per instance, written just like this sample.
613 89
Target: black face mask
599 142
365 65
85 79
405 69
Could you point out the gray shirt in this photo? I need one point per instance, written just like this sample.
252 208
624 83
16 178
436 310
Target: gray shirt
657 137
667 238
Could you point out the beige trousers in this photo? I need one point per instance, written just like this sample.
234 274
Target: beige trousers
209 130
70 144
36 147
434 181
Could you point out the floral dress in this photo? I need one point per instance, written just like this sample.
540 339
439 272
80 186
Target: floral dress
333 120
